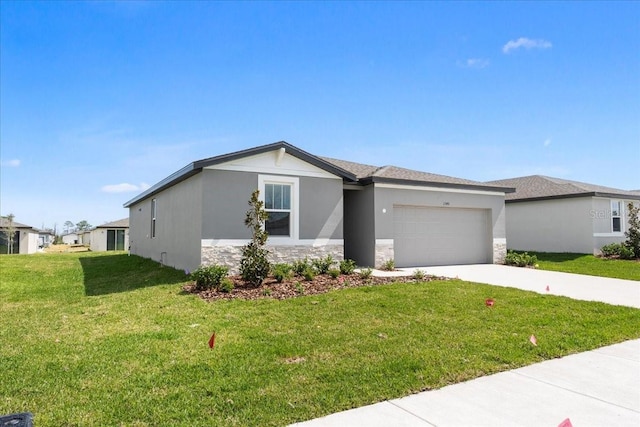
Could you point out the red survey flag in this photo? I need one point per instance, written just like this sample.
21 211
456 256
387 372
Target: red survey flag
212 340
566 423
533 340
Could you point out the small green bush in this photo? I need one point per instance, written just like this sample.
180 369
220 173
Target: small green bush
520 259
323 264
299 266
209 276
309 273
334 273
281 272
365 273
226 285
389 265
617 250
299 288
347 266
419 274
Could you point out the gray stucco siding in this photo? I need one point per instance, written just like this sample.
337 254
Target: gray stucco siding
321 208
178 225
386 198
560 225
225 201
359 226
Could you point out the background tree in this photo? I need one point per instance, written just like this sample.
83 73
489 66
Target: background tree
10 232
83 225
68 226
254 266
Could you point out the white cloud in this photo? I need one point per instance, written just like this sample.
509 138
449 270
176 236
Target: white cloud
526 43
474 63
547 142
124 188
13 163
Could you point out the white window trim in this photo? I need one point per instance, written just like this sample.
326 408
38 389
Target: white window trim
620 215
295 204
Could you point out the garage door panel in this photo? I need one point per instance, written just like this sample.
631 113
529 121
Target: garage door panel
441 236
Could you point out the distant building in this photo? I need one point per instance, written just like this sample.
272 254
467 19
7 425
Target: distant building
25 238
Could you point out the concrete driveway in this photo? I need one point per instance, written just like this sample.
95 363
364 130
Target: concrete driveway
577 286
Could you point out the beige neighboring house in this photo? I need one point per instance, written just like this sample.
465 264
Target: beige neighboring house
25 239
548 214
112 236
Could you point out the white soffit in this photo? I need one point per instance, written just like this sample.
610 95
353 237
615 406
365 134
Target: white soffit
274 162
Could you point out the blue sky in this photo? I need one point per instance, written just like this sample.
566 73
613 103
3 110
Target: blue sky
99 100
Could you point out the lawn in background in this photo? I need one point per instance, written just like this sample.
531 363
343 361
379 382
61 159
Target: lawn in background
107 339
589 265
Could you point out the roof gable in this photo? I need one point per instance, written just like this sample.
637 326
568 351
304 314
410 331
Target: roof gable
539 187
275 162
121 223
197 166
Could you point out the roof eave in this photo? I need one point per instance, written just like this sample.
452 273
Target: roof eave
378 179
574 196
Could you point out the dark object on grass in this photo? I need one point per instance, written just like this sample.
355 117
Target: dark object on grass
24 419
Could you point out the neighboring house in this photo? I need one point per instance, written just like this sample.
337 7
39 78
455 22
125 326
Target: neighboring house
84 237
25 239
112 236
557 215
317 206
45 238
71 238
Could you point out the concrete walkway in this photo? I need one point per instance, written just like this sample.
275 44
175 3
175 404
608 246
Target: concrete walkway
595 388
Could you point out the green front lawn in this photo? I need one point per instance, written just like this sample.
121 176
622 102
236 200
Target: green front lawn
589 264
107 339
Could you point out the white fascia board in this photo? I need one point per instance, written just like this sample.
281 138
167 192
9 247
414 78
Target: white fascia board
438 189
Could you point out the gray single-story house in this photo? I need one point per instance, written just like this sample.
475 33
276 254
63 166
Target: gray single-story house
24 241
112 236
72 238
547 214
317 206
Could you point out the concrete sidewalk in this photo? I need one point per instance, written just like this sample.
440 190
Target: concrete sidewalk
595 388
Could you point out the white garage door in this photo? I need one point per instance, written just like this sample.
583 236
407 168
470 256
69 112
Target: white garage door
426 236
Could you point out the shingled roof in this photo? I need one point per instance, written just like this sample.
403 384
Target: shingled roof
393 174
350 172
121 223
4 223
539 187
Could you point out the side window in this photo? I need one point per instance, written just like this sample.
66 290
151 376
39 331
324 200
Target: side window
153 217
277 203
616 215
281 202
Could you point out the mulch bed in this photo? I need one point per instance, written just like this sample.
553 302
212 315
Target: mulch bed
297 286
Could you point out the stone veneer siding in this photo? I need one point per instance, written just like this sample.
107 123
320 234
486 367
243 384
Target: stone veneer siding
384 253
231 256
499 251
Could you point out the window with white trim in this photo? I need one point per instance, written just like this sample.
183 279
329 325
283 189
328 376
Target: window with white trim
616 216
153 217
277 203
280 197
